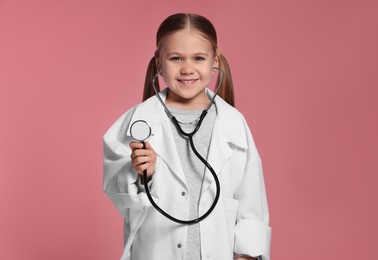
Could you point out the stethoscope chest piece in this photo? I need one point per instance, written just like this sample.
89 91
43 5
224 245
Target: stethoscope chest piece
140 130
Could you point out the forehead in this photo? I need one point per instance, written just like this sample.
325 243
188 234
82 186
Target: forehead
186 41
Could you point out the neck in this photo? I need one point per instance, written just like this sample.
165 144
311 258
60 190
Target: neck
187 104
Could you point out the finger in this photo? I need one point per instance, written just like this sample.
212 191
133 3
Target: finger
144 167
141 153
147 146
135 145
150 170
141 160
144 162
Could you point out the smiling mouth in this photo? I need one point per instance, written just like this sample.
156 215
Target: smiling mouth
187 81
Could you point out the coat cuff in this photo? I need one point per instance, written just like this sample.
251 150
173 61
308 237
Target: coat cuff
252 237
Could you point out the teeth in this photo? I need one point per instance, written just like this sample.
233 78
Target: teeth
188 81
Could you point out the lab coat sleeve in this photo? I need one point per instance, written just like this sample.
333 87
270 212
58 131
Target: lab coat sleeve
120 181
252 231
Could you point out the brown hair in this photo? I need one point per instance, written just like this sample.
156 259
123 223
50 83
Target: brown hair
178 22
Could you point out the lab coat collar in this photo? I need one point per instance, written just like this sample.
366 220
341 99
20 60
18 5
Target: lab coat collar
229 122
226 132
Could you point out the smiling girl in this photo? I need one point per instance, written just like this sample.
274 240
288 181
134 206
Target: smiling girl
186 55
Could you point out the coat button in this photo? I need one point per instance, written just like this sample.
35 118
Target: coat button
179 245
183 193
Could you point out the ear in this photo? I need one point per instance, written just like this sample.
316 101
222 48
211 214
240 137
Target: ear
157 63
216 62
157 60
216 59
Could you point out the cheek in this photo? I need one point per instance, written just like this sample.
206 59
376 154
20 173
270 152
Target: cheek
163 71
209 71
166 68
167 74
163 66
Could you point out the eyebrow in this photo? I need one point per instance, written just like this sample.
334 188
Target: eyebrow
197 53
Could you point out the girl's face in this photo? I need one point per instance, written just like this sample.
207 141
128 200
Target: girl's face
186 61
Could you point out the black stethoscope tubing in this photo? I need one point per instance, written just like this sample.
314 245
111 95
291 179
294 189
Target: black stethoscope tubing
217 183
190 137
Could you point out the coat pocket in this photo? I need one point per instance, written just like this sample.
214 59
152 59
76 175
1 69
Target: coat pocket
231 208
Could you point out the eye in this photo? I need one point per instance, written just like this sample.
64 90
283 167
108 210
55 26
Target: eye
199 58
175 58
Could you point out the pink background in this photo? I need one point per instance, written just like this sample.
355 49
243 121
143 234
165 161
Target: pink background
306 78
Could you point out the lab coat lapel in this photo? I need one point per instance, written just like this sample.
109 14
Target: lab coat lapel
165 147
219 153
161 140
227 132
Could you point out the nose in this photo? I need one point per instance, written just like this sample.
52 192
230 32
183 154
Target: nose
186 68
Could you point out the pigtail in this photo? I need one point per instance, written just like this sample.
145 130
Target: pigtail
151 72
226 91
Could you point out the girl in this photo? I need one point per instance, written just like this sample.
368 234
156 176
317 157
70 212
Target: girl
186 54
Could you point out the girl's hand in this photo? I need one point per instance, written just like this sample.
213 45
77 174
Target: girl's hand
143 159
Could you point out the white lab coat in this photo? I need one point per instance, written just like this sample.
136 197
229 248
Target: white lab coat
239 222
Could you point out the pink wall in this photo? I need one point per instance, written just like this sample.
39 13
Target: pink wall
306 79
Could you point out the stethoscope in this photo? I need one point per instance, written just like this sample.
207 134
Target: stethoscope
140 131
